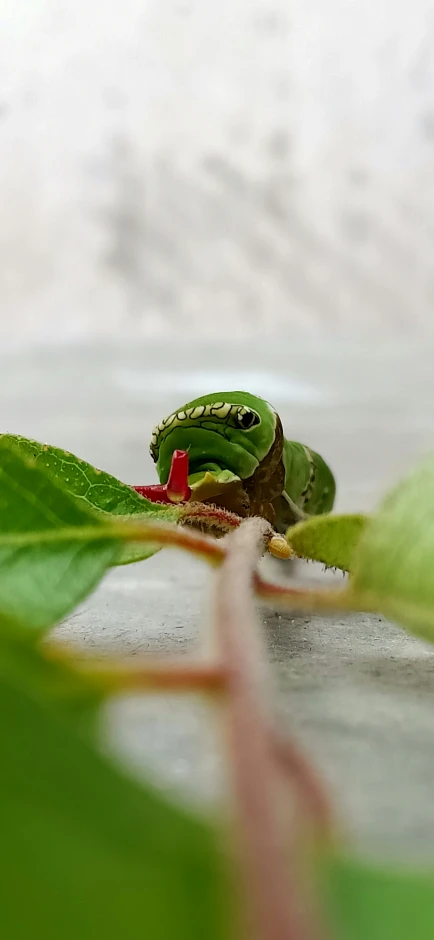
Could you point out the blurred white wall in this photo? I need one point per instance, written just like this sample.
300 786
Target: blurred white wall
199 166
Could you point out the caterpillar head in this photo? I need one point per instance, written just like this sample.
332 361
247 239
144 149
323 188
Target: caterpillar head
225 432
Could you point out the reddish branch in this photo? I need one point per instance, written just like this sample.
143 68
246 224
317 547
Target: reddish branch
310 599
175 536
114 675
210 516
272 892
299 773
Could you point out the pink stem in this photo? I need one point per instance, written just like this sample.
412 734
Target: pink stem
270 875
211 516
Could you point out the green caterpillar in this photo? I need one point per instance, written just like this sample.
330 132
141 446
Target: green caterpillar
239 459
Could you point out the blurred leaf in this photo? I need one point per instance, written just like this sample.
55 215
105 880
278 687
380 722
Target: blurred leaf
43 574
98 490
329 539
52 681
367 902
85 851
393 563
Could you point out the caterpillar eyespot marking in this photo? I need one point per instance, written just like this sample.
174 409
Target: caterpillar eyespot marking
247 419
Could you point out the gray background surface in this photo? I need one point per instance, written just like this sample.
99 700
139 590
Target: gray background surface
248 167
357 691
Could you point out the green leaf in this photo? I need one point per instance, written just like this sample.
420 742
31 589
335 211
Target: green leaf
393 563
370 903
97 490
85 851
329 539
51 551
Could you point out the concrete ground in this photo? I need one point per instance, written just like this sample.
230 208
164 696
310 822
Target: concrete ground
358 691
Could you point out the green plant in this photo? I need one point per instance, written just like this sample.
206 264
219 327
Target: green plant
88 852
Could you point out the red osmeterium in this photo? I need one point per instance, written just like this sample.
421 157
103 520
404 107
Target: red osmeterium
156 493
176 490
